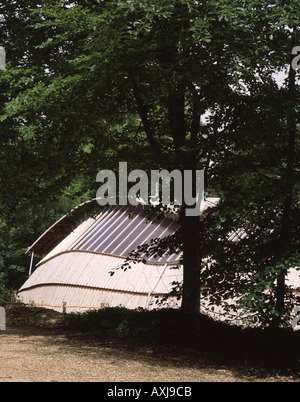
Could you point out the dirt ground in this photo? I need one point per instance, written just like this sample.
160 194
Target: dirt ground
40 357
30 354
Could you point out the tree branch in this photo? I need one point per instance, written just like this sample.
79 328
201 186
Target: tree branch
143 113
176 117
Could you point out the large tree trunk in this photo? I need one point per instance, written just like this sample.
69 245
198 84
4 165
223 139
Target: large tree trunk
191 263
285 236
186 160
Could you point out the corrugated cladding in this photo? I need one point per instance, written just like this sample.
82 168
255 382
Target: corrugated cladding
93 270
79 299
114 232
77 271
83 279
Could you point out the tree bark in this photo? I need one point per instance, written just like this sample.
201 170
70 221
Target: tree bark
191 263
185 160
190 225
285 236
143 113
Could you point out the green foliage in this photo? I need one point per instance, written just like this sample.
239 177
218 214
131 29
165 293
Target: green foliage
90 84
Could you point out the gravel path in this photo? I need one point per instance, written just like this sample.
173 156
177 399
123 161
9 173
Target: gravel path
46 357
56 358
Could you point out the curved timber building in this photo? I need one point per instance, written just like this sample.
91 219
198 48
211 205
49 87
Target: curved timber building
83 256
82 270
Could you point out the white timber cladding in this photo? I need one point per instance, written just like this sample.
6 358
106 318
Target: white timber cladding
82 280
77 272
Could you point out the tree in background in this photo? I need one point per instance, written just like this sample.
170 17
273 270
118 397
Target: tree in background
103 81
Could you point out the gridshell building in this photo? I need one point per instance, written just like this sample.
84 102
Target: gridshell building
81 253
76 271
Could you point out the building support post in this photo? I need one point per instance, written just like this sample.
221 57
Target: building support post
31 263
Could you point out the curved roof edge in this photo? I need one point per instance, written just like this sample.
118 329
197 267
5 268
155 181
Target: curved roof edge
96 272
60 229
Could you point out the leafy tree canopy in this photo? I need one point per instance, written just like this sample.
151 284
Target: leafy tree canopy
91 83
